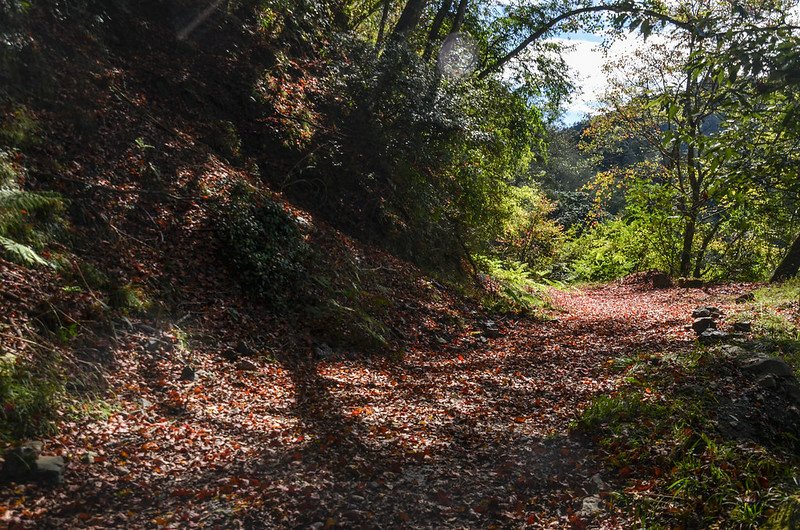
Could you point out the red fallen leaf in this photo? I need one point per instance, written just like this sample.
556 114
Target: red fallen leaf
204 494
577 522
520 419
460 357
182 492
763 482
625 472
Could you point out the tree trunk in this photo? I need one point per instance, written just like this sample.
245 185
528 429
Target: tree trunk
460 14
409 19
384 16
790 264
688 240
436 27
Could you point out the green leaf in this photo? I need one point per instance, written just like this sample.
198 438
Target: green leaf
21 254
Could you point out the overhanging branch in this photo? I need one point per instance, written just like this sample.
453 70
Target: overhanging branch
495 66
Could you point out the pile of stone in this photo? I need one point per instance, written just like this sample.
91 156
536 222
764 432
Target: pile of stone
25 463
706 323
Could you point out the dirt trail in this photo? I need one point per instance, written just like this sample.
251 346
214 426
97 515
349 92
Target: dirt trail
460 437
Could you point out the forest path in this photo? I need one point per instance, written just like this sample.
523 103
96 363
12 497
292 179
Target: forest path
452 437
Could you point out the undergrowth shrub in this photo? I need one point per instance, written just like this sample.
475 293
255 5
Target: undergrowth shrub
28 220
263 245
681 470
609 250
510 286
530 236
29 395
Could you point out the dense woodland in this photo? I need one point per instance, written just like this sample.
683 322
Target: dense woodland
343 264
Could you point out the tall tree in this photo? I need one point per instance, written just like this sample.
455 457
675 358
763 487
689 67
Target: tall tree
409 19
384 18
436 28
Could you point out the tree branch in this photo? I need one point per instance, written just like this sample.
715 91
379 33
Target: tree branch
574 13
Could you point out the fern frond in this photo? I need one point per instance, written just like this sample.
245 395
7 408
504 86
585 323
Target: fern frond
20 253
11 199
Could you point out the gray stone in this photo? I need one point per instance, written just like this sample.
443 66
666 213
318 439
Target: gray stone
490 329
767 381
734 351
598 483
242 348
153 345
246 365
20 462
24 464
591 506
767 365
145 403
188 373
713 336
747 297
706 311
744 327
701 324
323 351
229 354
661 281
50 469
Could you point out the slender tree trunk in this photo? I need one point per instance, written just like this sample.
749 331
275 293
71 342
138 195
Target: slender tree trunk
409 19
461 12
384 17
790 264
688 240
701 254
436 27
692 214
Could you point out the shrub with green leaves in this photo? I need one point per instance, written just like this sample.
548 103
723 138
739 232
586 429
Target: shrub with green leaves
28 396
609 250
510 286
28 220
263 244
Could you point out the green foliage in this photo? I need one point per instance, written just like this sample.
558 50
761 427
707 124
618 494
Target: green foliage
529 235
784 295
263 245
28 220
775 315
682 472
609 250
29 395
510 286
421 163
18 128
224 138
127 298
